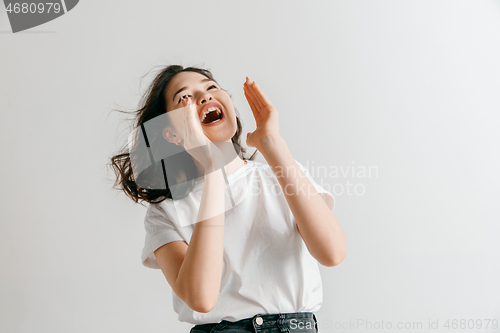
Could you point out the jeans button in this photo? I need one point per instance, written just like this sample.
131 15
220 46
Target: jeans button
259 320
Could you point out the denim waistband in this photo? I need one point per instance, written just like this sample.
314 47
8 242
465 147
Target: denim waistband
259 322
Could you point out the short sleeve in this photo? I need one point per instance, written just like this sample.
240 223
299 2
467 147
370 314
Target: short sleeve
327 196
159 231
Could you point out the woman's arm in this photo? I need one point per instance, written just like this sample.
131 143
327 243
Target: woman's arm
200 274
194 271
198 277
317 225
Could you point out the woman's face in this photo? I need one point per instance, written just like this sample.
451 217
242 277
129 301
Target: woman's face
203 92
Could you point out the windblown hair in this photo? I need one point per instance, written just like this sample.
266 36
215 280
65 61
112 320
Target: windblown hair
150 184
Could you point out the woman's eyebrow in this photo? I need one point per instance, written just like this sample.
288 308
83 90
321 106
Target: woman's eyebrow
184 88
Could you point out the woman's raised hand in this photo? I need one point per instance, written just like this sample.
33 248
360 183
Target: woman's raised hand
193 135
265 114
187 126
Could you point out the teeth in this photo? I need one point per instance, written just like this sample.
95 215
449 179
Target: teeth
210 109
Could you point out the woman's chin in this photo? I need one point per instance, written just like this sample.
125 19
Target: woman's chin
220 134
219 138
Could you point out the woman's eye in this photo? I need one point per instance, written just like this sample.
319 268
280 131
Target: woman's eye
183 97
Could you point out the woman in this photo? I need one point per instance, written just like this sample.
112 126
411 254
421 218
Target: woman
239 267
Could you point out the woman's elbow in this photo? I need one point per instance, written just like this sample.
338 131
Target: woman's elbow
202 306
335 259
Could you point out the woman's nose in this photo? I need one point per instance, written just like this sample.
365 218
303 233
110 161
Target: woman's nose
205 98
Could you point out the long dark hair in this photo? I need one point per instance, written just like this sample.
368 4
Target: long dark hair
151 183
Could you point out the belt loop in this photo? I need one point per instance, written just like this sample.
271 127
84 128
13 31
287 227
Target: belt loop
280 323
219 326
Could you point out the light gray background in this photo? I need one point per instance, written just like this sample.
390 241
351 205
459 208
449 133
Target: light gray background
410 87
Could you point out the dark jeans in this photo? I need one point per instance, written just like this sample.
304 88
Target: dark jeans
293 322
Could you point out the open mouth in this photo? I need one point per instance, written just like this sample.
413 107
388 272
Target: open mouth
213 116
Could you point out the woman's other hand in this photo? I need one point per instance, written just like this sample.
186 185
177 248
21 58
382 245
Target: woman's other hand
264 112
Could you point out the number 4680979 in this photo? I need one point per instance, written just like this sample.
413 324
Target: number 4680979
33 8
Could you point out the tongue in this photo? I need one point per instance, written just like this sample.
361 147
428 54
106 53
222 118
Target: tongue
211 116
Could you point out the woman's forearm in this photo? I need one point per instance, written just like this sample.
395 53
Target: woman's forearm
201 271
318 227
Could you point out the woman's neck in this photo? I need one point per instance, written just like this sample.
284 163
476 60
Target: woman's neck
229 152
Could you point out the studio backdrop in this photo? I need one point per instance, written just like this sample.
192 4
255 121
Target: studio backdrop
392 106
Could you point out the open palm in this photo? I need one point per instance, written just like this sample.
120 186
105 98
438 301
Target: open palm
264 112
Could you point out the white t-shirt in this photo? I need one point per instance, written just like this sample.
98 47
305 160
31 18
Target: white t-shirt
266 265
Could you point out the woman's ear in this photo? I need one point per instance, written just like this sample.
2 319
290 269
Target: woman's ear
170 136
